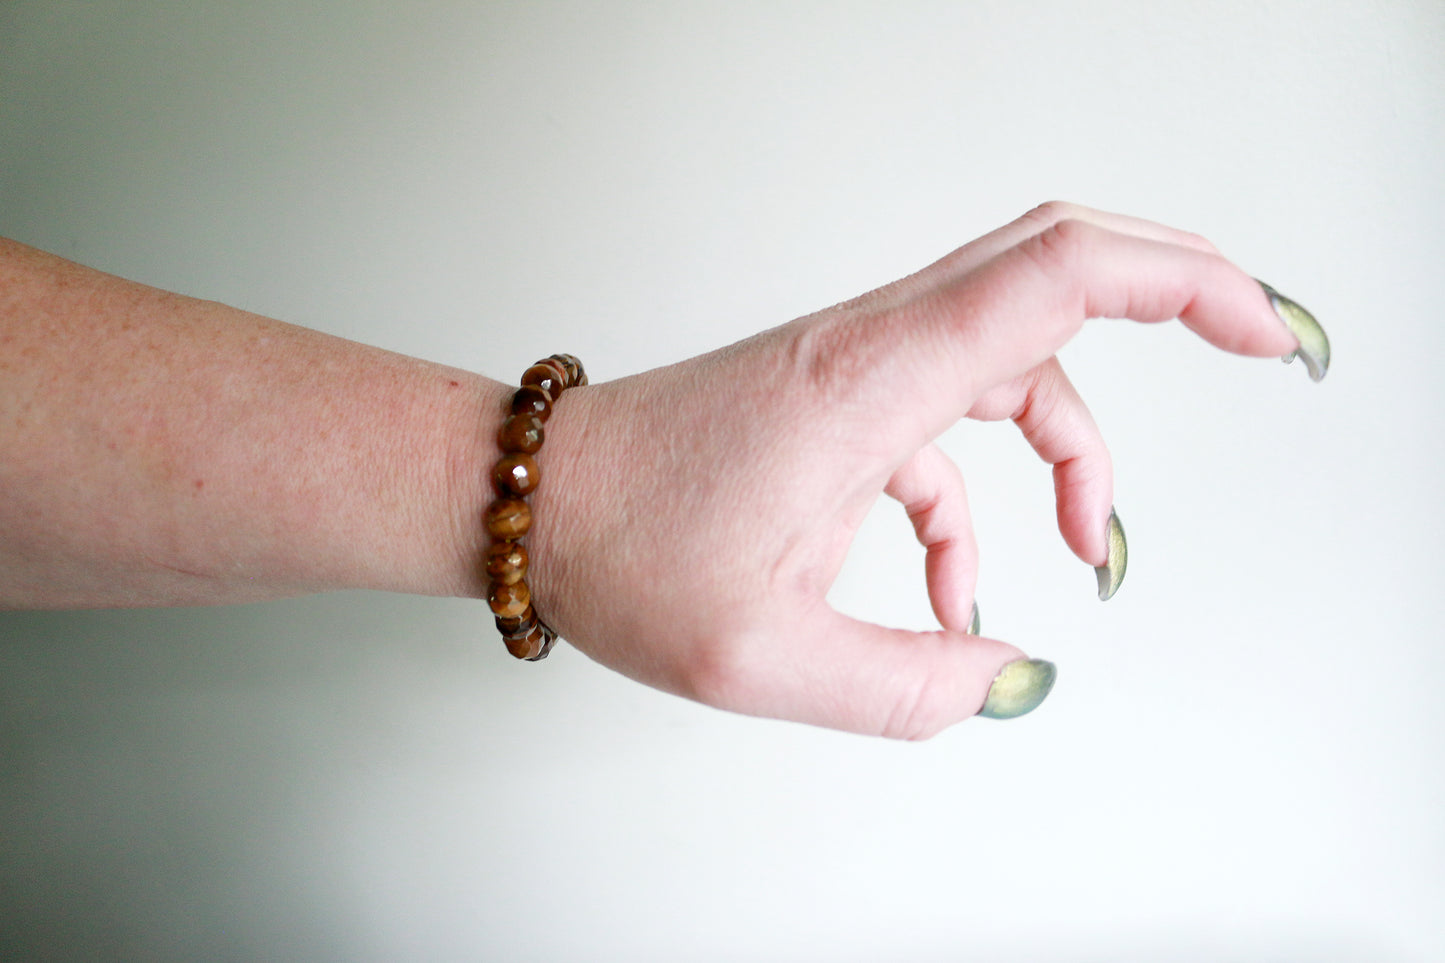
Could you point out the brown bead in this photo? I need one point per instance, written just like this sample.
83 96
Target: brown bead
560 368
532 400
519 625
534 646
579 375
547 375
527 646
521 433
506 562
516 474
508 519
509 601
573 368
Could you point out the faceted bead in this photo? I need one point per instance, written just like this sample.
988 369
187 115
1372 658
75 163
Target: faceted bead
506 562
528 646
532 400
573 367
519 625
516 474
547 375
521 433
579 376
534 645
548 638
508 519
509 601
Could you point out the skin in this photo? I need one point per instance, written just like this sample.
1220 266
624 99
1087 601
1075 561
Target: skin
168 451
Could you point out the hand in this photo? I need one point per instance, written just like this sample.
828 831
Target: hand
694 517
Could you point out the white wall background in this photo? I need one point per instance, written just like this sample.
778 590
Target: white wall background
1243 757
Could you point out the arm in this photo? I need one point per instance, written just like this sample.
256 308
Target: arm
161 450
691 519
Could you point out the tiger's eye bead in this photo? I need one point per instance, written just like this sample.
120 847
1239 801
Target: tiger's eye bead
517 474
520 625
547 375
579 375
521 433
506 562
533 646
508 519
509 601
572 367
532 400
548 638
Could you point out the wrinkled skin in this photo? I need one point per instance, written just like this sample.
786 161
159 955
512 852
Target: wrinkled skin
690 519
694 516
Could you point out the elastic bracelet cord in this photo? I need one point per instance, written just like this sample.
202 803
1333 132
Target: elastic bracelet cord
509 516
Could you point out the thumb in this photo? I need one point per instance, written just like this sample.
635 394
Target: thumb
847 674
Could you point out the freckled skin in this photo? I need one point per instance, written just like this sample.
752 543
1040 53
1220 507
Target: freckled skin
674 542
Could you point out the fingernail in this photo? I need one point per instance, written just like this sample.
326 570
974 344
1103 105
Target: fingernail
973 626
1314 344
1111 573
1019 688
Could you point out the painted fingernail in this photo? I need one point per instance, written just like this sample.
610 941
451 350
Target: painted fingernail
1314 344
973 626
1019 688
1111 573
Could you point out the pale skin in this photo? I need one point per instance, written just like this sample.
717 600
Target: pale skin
161 450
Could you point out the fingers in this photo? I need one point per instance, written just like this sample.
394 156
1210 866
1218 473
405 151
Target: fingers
972 327
1042 290
1057 424
1047 215
1021 307
1036 221
930 488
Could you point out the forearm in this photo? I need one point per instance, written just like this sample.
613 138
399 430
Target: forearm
156 449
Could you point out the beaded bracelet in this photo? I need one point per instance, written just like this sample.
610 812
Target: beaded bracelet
509 516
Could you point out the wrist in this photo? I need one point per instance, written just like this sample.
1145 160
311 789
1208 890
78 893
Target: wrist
473 423
555 525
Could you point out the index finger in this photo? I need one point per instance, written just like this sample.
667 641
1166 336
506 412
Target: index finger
998 321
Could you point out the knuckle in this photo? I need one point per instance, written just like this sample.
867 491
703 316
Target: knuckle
1059 249
1201 242
831 357
1050 213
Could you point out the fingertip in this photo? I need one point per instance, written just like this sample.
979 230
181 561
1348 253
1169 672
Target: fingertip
1084 499
896 683
1116 563
1019 688
1313 343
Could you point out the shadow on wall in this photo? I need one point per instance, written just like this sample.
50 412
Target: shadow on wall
175 782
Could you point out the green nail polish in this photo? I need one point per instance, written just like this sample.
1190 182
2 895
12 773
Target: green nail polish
1019 688
1314 344
973 626
1111 573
